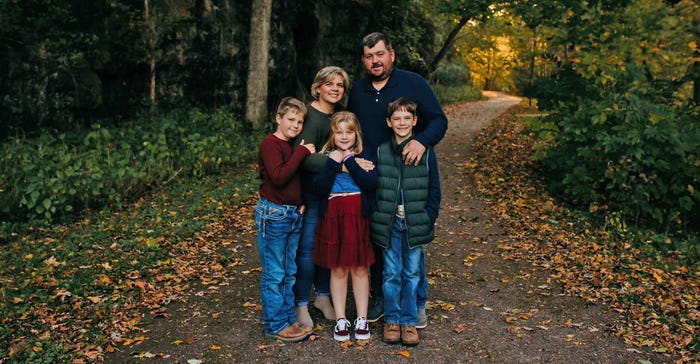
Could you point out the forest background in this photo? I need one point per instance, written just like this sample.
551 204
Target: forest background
105 102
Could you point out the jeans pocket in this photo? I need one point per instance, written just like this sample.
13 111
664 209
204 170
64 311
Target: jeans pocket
275 214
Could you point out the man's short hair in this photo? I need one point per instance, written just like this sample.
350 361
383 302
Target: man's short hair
371 39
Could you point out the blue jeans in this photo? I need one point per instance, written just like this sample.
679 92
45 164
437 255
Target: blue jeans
401 277
376 280
309 273
278 228
422 291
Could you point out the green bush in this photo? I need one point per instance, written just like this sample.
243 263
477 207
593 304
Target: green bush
53 176
626 154
451 75
454 94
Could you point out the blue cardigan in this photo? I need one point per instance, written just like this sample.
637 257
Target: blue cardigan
367 181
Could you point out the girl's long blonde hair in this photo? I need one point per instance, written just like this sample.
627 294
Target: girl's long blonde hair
353 125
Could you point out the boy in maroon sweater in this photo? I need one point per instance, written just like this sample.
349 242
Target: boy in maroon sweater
278 220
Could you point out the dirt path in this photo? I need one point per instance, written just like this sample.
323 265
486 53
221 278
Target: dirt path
482 308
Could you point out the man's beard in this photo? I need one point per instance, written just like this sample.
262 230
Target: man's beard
384 75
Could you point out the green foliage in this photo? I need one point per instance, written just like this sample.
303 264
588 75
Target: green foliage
454 94
54 176
628 154
451 75
623 138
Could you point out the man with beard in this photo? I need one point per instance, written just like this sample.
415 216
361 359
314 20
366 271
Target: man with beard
369 99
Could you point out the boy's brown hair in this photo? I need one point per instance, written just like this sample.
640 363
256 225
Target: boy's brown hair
290 103
401 104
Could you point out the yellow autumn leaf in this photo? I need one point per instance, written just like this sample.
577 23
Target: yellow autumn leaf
104 279
215 347
405 354
656 273
510 319
177 342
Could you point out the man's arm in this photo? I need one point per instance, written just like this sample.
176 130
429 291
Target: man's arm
434 192
431 114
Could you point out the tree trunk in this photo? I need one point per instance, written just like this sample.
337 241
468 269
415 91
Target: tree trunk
696 81
448 43
150 33
256 102
533 62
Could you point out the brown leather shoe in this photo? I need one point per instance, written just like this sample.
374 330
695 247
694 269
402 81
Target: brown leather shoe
409 336
392 334
290 334
306 329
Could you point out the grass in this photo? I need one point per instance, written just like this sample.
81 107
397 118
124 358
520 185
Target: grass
66 288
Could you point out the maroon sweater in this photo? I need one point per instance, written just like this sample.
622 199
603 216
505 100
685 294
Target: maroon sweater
278 167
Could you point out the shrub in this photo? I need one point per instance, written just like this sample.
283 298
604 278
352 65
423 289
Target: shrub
453 94
451 75
627 154
53 176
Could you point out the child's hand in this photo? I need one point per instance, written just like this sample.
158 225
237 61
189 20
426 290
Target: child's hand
336 155
365 164
310 146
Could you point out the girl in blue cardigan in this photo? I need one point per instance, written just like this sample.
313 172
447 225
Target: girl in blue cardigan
342 242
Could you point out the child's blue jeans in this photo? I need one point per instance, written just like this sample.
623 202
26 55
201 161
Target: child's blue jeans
278 228
401 277
309 273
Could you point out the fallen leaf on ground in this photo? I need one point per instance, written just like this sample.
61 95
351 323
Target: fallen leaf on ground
405 354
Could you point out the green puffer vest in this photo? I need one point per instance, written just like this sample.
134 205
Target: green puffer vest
394 175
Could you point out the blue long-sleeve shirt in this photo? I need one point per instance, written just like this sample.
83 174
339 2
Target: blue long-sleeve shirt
366 180
370 106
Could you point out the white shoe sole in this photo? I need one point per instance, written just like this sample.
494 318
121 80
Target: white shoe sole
341 338
363 337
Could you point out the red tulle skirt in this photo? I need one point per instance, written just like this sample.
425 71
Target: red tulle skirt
342 235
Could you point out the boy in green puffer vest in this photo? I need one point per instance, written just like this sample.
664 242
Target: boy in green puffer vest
408 201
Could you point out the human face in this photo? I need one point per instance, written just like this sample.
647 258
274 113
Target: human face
332 91
344 138
289 125
402 123
378 61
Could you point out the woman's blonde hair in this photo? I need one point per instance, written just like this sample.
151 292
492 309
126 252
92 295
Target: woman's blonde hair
327 74
353 125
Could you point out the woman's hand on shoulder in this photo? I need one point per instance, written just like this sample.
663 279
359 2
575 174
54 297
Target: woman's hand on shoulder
365 164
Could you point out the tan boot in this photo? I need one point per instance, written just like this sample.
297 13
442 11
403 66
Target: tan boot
303 316
391 334
324 304
306 329
409 336
290 334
